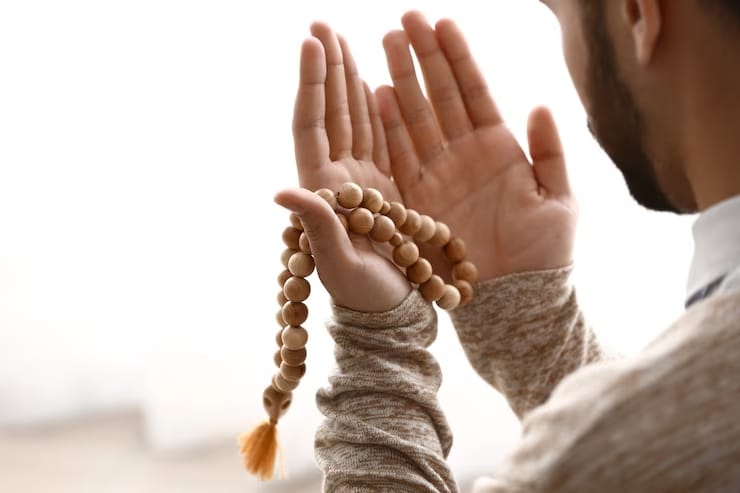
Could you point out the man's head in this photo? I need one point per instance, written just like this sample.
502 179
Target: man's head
631 61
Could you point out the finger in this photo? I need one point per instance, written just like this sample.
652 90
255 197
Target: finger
442 88
417 113
362 133
405 165
338 119
329 241
380 145
478 101
309 133
546 152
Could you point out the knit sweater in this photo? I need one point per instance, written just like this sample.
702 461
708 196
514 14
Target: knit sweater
666 420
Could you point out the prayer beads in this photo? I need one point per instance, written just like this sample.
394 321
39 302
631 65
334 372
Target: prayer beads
365 213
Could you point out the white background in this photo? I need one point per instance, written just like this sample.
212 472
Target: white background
141 143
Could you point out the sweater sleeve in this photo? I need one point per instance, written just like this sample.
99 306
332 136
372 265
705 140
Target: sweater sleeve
663 421
383 428
524 333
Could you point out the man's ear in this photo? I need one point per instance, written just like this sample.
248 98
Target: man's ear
644 19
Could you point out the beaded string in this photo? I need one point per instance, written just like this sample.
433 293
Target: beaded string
385 222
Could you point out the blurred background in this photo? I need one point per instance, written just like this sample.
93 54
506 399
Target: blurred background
141 143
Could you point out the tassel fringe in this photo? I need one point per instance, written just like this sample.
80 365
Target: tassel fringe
260 450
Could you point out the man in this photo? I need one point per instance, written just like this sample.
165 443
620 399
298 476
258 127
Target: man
661 85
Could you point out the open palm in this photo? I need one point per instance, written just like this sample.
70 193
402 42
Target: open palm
339 137
452 156
337 130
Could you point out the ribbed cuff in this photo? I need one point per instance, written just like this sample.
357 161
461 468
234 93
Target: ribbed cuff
508 296
413 308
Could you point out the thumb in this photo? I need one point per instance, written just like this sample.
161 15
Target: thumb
328 238
546 152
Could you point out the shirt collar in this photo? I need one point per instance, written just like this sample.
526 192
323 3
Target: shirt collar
716 245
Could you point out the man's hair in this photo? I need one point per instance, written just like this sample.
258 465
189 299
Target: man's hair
725 8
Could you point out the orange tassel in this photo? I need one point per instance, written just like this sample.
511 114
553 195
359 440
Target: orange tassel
260 449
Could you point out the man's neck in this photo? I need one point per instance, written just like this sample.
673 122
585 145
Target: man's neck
712 131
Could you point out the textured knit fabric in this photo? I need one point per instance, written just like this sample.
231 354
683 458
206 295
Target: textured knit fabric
667 420
523 333
383 419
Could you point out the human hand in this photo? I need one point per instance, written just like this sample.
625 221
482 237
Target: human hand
452 157
338 138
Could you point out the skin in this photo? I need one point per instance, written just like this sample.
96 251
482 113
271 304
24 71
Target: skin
671 133
670 65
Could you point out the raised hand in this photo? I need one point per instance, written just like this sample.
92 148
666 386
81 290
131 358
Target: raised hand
452 156
339 137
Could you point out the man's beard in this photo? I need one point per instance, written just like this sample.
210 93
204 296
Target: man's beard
615 120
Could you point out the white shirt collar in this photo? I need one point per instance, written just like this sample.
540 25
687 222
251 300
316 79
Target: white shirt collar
716 244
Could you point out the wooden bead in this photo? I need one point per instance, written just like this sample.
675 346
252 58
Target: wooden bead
433 289
372 200
285 256
426 231
284 276
361 221
293 357
296 289
293 372
301 264
465 271
279 318
295 313
383 229
456 250
397 213
466 291
281 299
412 223
441 235
290 237
328 196
450 298
420 272
296 222
367 214
349 195
283 384
406 254
396 240
345 223
303 244
276 403
294 337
